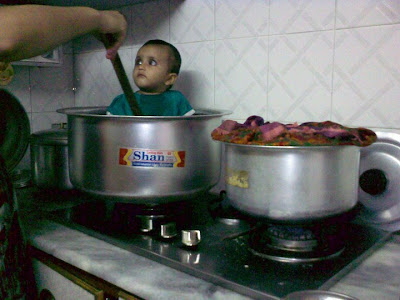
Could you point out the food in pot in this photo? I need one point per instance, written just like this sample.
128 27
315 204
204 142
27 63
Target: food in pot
254 131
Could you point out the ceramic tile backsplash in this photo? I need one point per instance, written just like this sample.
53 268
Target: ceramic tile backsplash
95 80
20 87
43 121
288 16
300 76
355 13
241 76
196 80
287 60
88 43
367 76
41 91
192 20
247 18
52 87
149 21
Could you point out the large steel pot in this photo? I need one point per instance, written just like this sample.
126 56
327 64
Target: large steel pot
286 183
142 159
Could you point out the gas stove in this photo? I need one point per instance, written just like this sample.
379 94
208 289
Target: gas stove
252 257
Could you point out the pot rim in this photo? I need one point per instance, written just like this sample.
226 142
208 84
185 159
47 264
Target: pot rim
100 112
50 137
270 147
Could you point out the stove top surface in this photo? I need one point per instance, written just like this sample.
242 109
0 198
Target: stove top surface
223 256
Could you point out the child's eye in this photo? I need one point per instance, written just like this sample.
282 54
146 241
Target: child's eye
152 62
138 62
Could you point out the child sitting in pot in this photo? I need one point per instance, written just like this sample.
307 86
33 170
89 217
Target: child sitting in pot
156 69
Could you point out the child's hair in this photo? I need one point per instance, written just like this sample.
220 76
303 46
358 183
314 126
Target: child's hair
176 57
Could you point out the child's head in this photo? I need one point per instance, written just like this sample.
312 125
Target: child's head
157 66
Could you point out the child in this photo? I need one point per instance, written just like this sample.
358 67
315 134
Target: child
156 69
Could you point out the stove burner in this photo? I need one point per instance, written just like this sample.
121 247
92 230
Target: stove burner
287 243
151 220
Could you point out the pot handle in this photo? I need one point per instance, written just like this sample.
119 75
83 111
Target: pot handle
373 182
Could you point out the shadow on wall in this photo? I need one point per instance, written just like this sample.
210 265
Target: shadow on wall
191 83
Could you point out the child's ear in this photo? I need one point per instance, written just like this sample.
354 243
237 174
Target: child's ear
171 78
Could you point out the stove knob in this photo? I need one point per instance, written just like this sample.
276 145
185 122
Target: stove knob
191 238
168 231
146 223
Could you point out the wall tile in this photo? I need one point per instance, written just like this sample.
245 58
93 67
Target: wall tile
300 76
367 76
43 120
196 78
247 18
88 42
67 48
241 76
19 86
96 82
288 16
127 12
150 20
52 87
354 13
191 20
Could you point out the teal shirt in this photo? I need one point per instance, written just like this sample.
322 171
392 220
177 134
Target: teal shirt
169 103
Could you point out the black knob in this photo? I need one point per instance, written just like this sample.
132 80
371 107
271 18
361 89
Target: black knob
373 181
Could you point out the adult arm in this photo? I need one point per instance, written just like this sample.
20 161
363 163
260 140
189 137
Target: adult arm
30 30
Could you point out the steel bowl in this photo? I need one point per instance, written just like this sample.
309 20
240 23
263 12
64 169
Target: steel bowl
143 159
288 183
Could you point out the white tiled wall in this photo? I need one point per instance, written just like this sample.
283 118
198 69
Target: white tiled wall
285 60
43 90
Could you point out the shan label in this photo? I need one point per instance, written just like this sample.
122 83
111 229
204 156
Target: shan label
151 158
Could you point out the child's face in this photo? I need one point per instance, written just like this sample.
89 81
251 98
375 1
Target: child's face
152 69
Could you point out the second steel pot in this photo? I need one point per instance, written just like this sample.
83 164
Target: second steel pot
286 183
49 159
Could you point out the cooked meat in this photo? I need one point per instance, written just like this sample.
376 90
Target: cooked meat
257 132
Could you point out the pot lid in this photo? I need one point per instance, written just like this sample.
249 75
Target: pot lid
50 137
14 130
379 191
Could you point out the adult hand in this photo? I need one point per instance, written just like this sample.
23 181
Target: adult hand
112 31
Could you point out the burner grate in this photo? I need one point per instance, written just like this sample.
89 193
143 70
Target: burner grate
297 243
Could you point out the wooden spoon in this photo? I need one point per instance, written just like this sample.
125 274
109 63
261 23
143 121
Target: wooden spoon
126 87
123 79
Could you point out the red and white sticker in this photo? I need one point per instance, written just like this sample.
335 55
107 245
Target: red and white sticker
134 157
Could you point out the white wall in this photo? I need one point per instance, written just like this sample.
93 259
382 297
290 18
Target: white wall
43 90
286 60
282 59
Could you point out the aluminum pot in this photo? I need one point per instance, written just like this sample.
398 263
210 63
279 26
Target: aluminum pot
143 159
287 183
49 159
